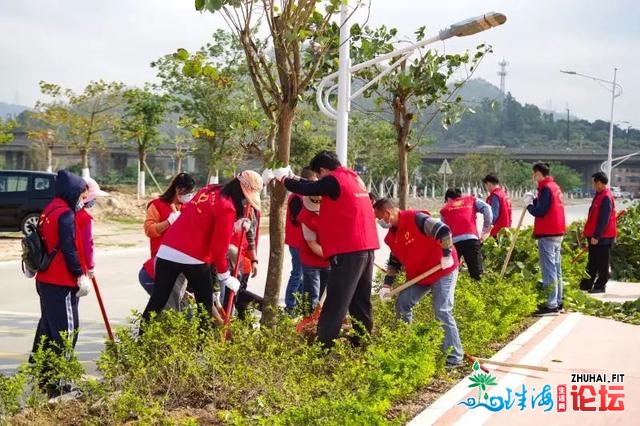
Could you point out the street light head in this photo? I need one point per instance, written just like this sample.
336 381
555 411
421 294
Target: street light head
473 25
568 72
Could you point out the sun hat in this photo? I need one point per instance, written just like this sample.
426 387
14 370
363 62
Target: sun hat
309 204
251 184
94 189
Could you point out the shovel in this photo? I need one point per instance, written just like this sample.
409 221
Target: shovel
313 318
415 280
513 243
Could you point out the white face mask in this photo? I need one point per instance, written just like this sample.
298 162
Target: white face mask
185 198
79 205
384 224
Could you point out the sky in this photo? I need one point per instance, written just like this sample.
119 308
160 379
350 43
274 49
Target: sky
71 42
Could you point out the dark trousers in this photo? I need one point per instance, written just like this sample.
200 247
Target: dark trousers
470 251
597 267
244 298
199 277
58 314
348 290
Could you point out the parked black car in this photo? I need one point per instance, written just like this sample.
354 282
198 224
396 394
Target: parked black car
23 196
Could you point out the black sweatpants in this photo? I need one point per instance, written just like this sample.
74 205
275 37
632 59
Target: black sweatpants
348 290
597 267
470 250
58 313
199 278
243 298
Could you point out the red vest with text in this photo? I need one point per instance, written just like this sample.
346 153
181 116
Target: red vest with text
504 217
57 273
307 257
164 209
348 223
205 228
416 251
460 215
552 223
610 230
293 231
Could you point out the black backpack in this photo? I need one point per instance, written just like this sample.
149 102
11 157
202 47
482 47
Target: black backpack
35 257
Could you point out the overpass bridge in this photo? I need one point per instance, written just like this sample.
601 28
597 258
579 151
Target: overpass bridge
585 161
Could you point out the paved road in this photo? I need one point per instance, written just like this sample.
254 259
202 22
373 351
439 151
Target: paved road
117 273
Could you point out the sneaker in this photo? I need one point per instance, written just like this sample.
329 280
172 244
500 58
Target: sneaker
546 312
453 365
597 290
561 308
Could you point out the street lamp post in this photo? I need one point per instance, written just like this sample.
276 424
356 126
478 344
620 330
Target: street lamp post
460 29
614 95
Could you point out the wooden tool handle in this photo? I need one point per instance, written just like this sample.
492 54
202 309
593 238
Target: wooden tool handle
415 280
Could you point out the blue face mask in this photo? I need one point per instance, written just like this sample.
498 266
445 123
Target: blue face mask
384 224
90 204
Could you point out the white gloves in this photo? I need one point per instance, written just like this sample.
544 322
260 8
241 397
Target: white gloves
229 281
282 173
216 299
267 176
446 262
528 198
173 217
84 285
384 293
241 224
91 273
485 235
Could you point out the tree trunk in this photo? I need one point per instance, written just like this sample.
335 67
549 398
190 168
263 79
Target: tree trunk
84 155
49 159
403 174
142 158
402 123
276 219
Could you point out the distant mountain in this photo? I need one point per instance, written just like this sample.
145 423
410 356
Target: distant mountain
11 110
478 89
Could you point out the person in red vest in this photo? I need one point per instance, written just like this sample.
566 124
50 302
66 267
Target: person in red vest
315 265
548 228
349 237
85 223
418 242
65 280
161 214
294 239
248 263
500 203
459 213
600 232
199 239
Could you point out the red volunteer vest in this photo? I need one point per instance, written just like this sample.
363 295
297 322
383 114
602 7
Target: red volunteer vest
205 228
308 257
504 218
348 223
164 209
57 273
416 251
293 231
460 216
553 223
610 231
